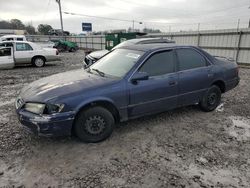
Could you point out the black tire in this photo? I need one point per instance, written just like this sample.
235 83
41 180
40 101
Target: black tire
72 49
38 61
211 99
94 124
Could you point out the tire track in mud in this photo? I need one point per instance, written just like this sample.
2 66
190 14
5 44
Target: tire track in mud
181 148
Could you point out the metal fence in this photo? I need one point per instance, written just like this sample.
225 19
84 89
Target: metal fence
96 42
229 43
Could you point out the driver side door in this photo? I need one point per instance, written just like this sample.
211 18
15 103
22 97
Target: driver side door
157 93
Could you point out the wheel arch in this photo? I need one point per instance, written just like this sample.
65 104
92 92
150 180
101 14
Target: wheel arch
36 56
221 84
107 104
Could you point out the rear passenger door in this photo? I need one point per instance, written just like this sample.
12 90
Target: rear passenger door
193 74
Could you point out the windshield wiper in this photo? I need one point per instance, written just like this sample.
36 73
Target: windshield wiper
99 72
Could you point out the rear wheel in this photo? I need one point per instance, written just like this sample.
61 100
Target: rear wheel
38 62
94 124
211 99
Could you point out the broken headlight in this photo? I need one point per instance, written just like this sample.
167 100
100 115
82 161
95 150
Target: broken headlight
53 108
39 108
36 108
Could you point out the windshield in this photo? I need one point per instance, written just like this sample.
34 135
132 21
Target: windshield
117 63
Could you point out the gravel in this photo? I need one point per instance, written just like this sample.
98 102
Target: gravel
180 148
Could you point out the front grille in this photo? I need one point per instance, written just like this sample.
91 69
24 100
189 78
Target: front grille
90 60
87 61
19 102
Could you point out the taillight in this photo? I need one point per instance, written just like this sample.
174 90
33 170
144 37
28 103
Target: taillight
57 52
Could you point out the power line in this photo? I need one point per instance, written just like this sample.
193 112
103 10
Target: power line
153 22
188 14
170 9
101 17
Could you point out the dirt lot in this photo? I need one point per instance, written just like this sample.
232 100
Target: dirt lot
180 148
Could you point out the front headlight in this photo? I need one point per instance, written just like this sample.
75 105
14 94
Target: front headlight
53 108
36 108
39 108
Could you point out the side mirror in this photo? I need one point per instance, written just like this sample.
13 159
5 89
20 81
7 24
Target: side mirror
85 65
139 76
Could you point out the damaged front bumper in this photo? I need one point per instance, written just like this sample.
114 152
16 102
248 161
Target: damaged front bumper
59 124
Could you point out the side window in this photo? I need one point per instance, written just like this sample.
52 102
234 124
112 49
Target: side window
159 64
5 52
28 47
19 39
8 44
9 39
190 59
23 47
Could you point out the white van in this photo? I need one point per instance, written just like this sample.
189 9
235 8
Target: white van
13 38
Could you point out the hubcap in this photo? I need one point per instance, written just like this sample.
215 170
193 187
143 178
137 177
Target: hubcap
39 62
212 99
95 125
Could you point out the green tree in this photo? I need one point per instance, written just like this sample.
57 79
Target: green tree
30 29
17 24
44 28
5 25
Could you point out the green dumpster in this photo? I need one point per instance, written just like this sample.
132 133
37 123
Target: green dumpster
112 39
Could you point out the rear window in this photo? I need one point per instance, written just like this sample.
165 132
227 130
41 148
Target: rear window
190 59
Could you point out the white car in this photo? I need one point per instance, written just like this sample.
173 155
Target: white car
13 38
30 53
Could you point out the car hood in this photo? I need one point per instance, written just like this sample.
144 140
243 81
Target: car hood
62 84
98 54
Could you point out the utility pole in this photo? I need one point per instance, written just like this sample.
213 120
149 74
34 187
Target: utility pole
199 27
133 26
249 19
60 11
238 25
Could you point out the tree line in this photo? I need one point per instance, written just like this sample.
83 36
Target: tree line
17 24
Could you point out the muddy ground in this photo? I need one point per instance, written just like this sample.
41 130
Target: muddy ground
181 148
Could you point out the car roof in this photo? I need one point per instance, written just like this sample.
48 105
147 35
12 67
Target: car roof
153 46
15 41
149 40
12 36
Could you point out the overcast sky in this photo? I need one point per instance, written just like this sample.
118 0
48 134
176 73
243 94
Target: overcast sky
166 15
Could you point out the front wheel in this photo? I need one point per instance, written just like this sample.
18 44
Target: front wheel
94 124
211 99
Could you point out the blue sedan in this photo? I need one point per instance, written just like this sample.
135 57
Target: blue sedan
127 83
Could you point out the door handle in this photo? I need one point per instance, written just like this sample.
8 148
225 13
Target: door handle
172 83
